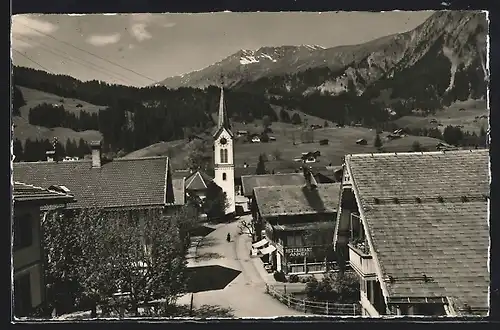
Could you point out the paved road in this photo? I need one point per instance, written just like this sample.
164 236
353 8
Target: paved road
246 293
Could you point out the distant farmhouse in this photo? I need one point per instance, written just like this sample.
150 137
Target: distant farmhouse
414 227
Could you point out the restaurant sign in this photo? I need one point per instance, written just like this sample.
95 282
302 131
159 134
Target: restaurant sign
299 252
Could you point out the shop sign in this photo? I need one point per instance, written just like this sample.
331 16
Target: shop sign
298 252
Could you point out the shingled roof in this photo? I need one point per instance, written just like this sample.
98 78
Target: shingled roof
123 182
248 182
427 219
297 200
23 192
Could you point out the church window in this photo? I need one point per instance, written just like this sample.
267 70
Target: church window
223 156
224 176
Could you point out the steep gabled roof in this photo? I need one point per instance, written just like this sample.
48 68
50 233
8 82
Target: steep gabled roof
223 119
297 200
427 214
23 192
248 182
123 182
198 181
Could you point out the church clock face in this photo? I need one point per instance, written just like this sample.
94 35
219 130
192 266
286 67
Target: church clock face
223 141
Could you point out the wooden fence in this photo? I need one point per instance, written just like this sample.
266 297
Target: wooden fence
314 307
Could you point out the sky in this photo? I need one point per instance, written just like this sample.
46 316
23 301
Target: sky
140 49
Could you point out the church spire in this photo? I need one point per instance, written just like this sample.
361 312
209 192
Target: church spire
223 118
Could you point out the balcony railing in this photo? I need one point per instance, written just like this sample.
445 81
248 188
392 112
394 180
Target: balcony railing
361 261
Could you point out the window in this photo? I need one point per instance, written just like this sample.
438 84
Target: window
223 156
23 231
224 176
294 241
22 295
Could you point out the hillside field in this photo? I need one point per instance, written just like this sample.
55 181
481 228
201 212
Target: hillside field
465 113
24 130
342 141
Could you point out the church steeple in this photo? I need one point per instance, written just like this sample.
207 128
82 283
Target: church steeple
223 118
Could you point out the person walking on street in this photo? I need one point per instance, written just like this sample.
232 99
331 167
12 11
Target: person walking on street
228 238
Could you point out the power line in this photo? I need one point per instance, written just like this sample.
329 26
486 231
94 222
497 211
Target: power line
29 59
68 57
86 51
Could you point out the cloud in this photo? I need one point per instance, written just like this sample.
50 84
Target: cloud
139 31
29 25
103 40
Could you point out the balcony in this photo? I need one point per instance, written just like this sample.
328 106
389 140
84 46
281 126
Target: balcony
361 260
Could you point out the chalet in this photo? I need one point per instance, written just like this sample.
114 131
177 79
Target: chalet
134 188
362 142
323 142
197 184
394 136
27 255
433 121
316 126
414 227
193 137
255 138
272 138
298 222
242 133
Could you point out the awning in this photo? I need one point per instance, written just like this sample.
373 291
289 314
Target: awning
260 243
268 249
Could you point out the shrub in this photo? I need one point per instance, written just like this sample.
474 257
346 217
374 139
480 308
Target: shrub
279 276
293 278
335 286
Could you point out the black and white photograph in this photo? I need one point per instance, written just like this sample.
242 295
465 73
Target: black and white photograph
250 165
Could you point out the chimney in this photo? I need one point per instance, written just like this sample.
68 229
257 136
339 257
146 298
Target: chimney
50 155
96 153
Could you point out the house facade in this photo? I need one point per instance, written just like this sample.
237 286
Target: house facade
414 227
294 225
27 251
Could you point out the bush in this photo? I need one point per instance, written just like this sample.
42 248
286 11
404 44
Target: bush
279 276
335 286
293 278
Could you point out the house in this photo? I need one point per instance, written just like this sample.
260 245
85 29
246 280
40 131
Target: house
323 142
241 133
193 137
137 188
255 139
298 223
27 255
272 138
393 136
414 227
362 142
249 182
316 126
445 147
197 184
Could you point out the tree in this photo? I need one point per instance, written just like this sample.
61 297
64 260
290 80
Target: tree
483 137
377 143
247 226
99 253
453 135
325 124
261 165
17 150
335 286
17 101
296 120
277 154
416 146
196 158
266 122
215 203
284 116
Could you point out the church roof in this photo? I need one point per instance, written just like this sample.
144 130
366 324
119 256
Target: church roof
198 181
223 120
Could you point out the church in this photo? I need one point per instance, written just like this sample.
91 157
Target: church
198 183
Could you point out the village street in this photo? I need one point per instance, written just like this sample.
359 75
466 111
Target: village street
245 294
